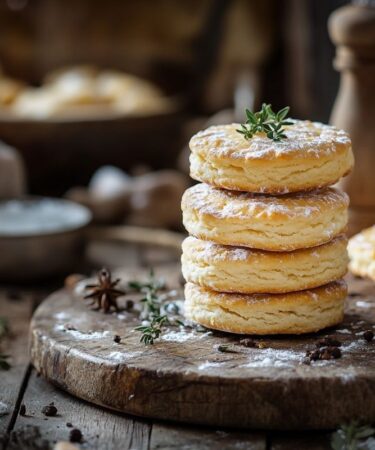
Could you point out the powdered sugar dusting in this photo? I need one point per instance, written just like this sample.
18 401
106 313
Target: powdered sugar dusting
271 357
206 199
124 356
364 304
62 315
82 335
344 331
206 251
304 139
209 365
182 336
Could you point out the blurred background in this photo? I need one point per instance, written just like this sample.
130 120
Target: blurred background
206 56
99 99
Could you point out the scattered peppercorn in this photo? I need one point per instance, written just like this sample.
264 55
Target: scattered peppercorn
330 353
75 435
23 410
69 425
49 410
368 335
117 339
313 355
324 353
129 304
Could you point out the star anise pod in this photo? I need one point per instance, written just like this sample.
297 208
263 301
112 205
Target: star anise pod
104 293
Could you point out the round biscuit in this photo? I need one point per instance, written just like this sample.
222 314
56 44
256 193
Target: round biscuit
294 313
274 223
312 156
243 270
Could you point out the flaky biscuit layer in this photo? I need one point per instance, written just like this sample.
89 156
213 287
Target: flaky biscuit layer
313 156
239 269
361 250
282 223
294 313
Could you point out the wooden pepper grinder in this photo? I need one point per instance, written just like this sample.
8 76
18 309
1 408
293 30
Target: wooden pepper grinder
352 29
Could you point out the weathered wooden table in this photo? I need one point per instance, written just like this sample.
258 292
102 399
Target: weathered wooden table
103 429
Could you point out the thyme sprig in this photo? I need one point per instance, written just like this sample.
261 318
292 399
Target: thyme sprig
152 331
352 436
266 121
151 299
155 310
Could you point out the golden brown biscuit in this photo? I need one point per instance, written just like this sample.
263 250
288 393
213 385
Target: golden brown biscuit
283 223
243 270
361 250
313 156
294 313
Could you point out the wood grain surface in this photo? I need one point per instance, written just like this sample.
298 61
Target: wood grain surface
183 377
18 310
116 431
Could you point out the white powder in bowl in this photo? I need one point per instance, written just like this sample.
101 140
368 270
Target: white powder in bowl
32 217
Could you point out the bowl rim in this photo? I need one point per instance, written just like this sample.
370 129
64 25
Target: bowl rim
86 219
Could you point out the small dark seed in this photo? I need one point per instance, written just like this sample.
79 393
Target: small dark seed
335 352
330 353
23 410
49 410
117 339
129 304
314 355
69 425
368 335
325 354
248 343
75 435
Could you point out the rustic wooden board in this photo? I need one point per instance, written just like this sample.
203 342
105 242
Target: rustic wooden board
184 378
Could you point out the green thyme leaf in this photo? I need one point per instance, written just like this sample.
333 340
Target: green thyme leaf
265 121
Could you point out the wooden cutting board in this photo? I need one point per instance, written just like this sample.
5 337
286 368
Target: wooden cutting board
183 377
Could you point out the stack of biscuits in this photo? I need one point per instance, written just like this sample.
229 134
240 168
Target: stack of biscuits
266 252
